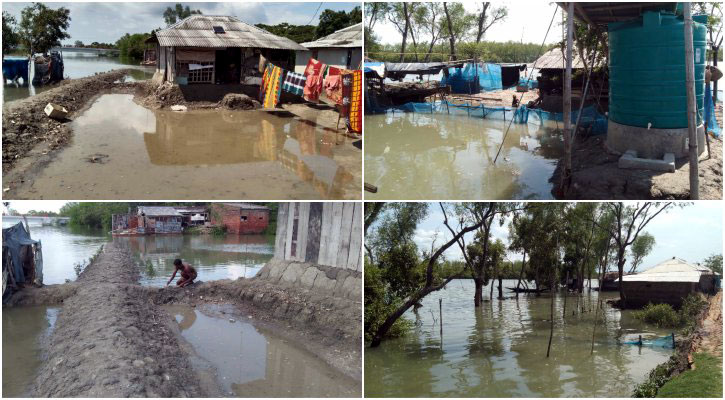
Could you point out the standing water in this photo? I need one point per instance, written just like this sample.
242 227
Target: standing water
440 156
25 329
252 362
123 150
65 248
499 350
213 257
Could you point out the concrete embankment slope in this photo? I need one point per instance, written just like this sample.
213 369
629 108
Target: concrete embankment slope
110 341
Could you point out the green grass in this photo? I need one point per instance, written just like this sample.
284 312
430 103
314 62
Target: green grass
704 381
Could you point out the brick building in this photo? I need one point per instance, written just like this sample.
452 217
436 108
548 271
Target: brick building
240 218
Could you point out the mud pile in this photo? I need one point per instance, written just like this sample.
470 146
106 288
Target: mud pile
110 341
234 101
25 123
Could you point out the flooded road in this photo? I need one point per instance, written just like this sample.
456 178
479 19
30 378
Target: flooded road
213 257
500 350
80 65
122 150
24 331
440 156
251 362
64 247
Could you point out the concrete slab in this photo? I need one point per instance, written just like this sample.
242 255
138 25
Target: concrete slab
629 160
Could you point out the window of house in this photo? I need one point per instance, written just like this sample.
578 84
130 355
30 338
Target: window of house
244 217
196 71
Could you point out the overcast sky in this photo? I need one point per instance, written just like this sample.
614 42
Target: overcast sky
527 19
692 233
106 22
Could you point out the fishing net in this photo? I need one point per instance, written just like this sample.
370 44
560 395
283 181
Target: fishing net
591 121
663 341
473 78
710 119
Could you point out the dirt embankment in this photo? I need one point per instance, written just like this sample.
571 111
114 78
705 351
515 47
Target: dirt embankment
25 124
110 341
709 334
595 176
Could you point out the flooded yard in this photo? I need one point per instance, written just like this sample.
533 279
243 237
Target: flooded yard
500 350
248 361
213 257
122 150
440 156
25 329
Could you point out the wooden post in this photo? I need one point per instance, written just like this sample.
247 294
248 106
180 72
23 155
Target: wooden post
551 329
639 343
440 310
565 176
691 108
673 340
596 319
566 291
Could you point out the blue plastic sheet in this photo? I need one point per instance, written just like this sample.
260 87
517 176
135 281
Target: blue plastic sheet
710 119
473 78
15 68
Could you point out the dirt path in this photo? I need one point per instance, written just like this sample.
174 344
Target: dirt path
109 340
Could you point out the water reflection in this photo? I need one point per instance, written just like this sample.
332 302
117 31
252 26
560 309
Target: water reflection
184 154
440 156
213 257
499 350
251 362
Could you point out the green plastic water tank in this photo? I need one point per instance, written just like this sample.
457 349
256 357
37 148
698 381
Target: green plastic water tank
647 70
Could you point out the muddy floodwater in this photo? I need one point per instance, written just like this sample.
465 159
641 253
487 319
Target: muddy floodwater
248 361
25 330
213 257
440 156
122 150
500 350
80 65
64 247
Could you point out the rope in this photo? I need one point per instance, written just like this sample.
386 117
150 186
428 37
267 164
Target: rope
315 14
528 80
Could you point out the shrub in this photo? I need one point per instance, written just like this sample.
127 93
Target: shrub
661 314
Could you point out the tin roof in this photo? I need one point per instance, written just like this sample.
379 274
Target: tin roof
554 59
152 211
199 31
346 37
603 13
191 209
671 270
247 206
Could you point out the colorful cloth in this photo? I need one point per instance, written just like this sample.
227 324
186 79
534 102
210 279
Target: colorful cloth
333 85
263 86
294 83
273 87
313 84
352 100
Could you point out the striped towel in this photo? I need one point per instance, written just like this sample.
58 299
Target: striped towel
294 83
273 87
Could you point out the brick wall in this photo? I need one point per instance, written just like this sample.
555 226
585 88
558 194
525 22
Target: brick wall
240 221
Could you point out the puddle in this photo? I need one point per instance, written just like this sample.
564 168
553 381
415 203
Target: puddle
419 156
251 362
24 330
213 257
209 153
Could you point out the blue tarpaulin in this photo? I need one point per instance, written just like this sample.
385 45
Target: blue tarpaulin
14 239
710 119
15 68
473 78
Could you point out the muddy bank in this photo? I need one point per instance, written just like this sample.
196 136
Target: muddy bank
110 341
595 176
46 295
25 125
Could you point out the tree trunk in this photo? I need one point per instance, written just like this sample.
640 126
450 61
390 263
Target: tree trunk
478 296
566 291
551 316
405 32
521 273
412 35
620 267
490 296
481 20
451 38
715 56
500 287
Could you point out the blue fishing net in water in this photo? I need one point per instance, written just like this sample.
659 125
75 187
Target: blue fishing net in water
710 119
473 78
591 120
663 341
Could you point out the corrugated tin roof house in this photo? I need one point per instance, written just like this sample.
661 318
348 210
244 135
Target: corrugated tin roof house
341 49
216 49
667 282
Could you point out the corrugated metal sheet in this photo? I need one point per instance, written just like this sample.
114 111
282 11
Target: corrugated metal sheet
247 206
671 270
198 31
150 211
346 37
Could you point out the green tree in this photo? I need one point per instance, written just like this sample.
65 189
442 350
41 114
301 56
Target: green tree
78 43
298 33
487 16
641 247
331 21
459 24
10 33
42 28
132 45
178 13
714 262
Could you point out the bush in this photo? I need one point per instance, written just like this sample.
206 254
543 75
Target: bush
663 315
692 306
219 230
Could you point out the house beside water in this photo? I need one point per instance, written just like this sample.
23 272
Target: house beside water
670 282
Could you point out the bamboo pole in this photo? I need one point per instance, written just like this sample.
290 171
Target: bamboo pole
596 319
566 291
691 109
551 329
440 311
567 97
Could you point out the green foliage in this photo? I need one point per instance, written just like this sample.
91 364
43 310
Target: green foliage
298 33
331 21
93 215
705 380
219 230
714 262
379 304
485 51
690 311
657 377
41 27
132 45
663 315
640 248
10 33
178 13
